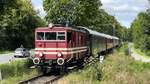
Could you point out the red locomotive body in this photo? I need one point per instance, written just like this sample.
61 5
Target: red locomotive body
59 45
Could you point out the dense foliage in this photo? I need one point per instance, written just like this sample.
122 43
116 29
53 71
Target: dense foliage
140 30
83 13
17 23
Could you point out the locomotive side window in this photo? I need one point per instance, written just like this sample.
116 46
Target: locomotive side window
61 36
50 36
40 35
69 35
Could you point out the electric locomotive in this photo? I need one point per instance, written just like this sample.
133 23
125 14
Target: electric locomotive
59 46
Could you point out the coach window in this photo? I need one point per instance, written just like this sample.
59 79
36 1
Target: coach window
40 35
60 35
50 36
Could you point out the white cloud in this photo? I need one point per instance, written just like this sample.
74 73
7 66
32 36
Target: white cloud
107 1
124 8
41 11
38 6
125 11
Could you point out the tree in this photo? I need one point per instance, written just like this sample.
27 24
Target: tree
77 12
17 22
82 12
140 32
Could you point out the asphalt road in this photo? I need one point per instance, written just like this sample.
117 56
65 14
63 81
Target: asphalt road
6 58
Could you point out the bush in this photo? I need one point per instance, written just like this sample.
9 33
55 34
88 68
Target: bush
125 49
15 68
93 71
148 53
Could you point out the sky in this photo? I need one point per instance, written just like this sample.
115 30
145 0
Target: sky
125 11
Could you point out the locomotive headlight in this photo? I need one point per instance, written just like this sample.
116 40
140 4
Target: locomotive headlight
59 54
40 54
51 25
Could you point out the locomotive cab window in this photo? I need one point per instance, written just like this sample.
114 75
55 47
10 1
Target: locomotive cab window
40 35
60 35
50 36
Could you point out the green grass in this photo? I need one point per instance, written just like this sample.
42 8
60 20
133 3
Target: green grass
17 78
116 69
16 71
5 52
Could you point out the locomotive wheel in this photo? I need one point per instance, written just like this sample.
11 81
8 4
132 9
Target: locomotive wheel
63 69
59 70
42 70
80 63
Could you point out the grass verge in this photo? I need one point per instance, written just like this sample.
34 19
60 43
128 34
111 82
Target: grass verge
16 71
117 68
5 52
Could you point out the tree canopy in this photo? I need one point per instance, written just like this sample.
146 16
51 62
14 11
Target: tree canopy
140 30
82 13
17 23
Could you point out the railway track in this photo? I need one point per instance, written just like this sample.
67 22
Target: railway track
50 78
42 79
46 79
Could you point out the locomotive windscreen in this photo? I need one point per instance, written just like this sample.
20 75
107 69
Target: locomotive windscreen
50 36
40 35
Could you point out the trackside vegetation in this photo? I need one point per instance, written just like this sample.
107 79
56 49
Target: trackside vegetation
5 52
140 32
16 71
117 68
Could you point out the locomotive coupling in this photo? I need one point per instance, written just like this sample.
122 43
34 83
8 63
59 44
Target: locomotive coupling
60 61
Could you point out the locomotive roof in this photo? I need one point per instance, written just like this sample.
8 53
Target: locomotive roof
62 27
99 34
80 28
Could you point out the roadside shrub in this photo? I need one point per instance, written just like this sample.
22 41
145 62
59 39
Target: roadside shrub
148 53
29 63
15 68
93 70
